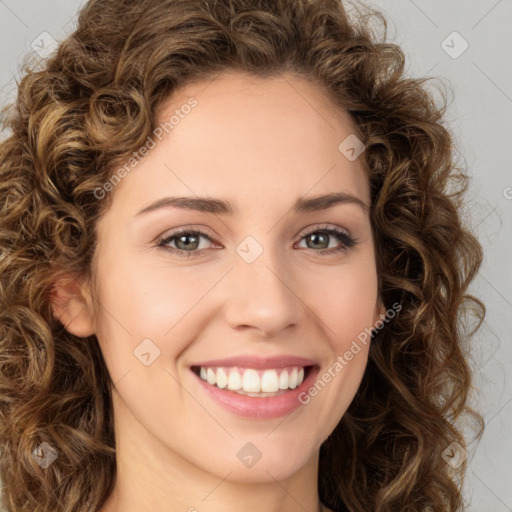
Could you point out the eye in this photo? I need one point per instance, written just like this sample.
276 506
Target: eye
187 243
321 238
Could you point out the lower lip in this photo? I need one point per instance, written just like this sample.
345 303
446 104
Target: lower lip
259 407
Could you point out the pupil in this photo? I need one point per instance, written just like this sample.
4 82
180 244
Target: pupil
184 237
315 237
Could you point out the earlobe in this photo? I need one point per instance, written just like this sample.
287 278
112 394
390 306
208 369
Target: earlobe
72 306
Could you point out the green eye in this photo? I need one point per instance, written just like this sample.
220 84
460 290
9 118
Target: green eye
187 242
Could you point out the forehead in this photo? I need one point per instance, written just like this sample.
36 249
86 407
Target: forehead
283 91
242 108
274 138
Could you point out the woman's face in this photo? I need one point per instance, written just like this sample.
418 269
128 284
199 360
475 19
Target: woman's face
258 292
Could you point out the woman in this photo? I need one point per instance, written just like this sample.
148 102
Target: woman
233 268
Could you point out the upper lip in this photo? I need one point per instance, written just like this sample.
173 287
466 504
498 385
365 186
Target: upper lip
248 361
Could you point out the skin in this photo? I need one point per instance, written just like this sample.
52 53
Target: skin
260 144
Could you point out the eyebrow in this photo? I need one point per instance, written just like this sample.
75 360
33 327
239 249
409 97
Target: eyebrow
219 206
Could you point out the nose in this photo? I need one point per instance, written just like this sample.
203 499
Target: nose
260 296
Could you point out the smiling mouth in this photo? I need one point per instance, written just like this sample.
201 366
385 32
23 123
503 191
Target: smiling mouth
254 382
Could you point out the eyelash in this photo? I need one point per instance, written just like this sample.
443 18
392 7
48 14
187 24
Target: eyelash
347 241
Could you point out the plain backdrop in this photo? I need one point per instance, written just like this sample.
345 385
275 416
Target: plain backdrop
468 44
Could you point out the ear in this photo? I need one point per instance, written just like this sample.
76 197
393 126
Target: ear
72 305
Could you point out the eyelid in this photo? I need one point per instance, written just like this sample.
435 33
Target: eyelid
312 228
186 228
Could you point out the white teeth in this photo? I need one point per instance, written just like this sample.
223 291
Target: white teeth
234 380
269 381
222 378
293 379
211 376
252 381
284 379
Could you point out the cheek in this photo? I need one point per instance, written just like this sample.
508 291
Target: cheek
346 306
346 302
138 301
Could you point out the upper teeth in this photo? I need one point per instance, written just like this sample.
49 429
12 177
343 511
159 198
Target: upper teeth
251 380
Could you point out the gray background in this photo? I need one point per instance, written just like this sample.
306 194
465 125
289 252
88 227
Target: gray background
479 116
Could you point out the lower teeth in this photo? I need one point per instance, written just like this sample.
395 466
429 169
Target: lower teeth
247 393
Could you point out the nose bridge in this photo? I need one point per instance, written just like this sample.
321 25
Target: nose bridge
260 289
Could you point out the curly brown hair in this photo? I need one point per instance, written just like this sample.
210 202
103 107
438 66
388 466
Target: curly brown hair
82 114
